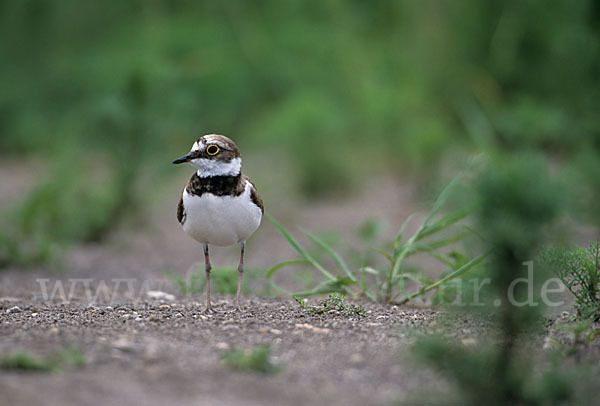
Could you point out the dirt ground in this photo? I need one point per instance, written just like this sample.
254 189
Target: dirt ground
156 353
147 351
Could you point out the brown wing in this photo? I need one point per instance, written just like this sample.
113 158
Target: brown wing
181 211
254 196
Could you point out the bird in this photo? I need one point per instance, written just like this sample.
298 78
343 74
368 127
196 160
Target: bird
219 205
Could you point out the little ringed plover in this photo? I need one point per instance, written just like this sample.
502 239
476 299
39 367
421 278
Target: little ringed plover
219 206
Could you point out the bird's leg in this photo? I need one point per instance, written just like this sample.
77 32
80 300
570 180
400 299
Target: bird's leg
240 275
207 268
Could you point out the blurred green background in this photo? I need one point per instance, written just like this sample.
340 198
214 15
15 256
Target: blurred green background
107 93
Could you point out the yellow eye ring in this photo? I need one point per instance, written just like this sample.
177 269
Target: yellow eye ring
212 150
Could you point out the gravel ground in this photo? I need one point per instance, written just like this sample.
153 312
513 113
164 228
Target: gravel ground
154 352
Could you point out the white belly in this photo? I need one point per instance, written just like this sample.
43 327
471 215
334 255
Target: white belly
220 220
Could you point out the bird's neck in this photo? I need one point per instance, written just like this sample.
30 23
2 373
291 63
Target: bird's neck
219 185
209 168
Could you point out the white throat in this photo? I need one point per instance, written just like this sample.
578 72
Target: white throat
210 167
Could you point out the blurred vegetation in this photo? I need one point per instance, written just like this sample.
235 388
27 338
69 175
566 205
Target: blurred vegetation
256 359
95 95
59 360
516 204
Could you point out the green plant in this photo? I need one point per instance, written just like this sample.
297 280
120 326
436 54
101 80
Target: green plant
579 270
257 359
335 302
56 361
436 233
518 203
24 361
474 371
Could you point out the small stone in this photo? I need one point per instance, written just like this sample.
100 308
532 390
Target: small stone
123 344
357 358
157 294
222 346
14 309
34 314
275 331
164 307
138 319
53 330
203 317
468 341
108 308
313 328
549 343
153 317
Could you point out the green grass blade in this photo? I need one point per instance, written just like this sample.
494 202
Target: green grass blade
434 245
409 276
444 259
385 254
331 253
283 264
298 248
339 285
441 200
398 239
444 222
466 267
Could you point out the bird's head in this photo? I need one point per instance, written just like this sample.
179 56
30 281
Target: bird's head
214 155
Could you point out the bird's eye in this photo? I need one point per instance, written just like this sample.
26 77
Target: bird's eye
212 150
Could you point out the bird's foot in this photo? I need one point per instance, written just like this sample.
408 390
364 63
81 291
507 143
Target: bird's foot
209 310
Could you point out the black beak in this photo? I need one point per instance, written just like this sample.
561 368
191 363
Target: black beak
183 159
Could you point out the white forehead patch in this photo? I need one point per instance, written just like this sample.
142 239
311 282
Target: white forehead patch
196 147
208 139
212 167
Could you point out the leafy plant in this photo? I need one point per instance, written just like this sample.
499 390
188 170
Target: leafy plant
579 270
257 359
435 234
475 372
517 205
335 302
